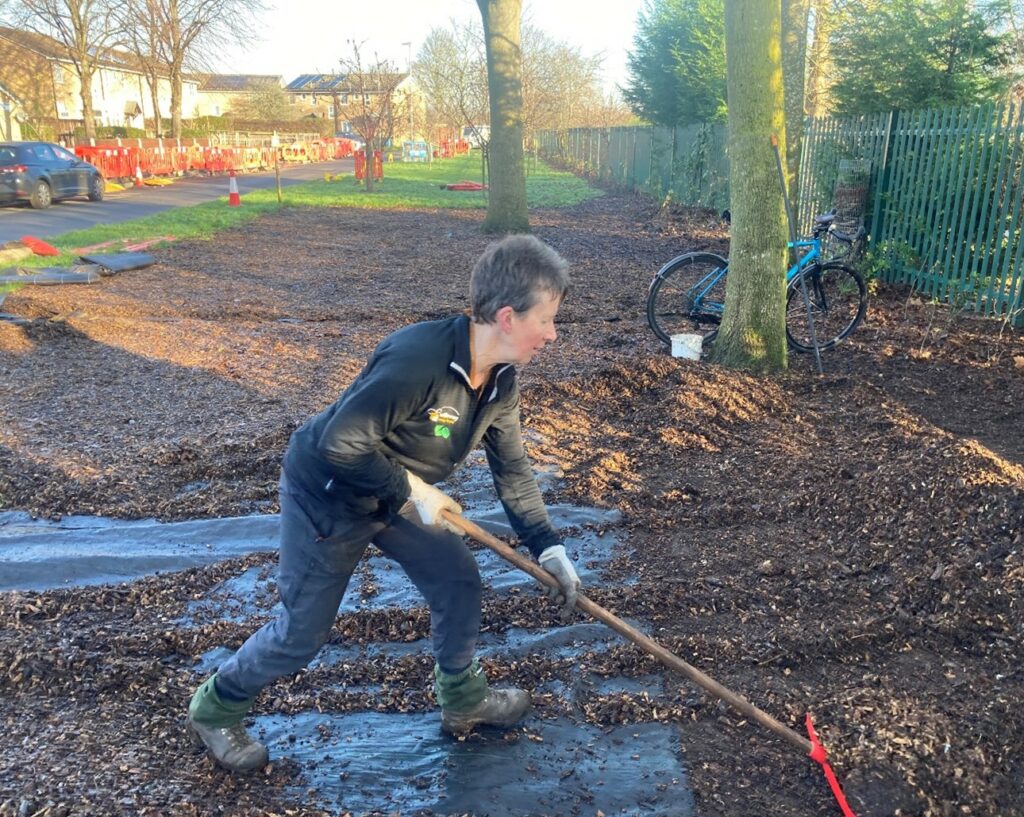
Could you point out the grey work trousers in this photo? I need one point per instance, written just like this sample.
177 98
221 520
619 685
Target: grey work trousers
318 553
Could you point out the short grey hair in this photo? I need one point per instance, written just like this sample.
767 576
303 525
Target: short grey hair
514 272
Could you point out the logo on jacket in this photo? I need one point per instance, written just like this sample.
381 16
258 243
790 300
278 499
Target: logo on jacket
442 418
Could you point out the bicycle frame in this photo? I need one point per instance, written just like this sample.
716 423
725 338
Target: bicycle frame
705 284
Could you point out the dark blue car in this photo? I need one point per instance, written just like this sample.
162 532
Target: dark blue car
42 173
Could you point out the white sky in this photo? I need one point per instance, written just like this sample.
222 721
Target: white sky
309 36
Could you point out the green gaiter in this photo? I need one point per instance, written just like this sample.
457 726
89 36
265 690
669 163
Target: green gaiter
209 709
461 692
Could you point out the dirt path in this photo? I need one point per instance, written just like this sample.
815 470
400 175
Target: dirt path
850 544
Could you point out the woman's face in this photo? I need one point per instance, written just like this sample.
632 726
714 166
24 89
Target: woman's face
530 331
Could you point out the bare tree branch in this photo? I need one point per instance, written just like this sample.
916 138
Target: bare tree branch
87 30
372 104
190 32
451 71
143 40
561 85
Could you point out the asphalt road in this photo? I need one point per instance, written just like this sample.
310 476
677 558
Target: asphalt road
78 214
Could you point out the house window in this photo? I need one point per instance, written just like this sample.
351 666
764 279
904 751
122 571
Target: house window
344 99
58 72
216 110
330 110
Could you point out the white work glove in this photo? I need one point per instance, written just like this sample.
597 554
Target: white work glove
429 502
555 562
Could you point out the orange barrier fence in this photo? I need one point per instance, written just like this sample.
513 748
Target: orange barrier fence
447 148
378 165
319 150
342 148
154 158
121 162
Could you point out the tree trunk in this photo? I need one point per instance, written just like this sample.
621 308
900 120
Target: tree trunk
176 86
819 64
753 331
368 152
794 67
88 114
154 93
506 202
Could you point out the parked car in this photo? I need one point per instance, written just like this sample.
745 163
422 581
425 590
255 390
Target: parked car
42 173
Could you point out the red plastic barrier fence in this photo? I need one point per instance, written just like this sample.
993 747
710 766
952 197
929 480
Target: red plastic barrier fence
342 148
113 162
378 165
447 148
160 157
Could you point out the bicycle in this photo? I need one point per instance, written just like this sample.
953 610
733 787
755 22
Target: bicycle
837 245
688 295
832 237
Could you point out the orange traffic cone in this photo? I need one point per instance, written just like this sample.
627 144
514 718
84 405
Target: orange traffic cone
234 200
138 176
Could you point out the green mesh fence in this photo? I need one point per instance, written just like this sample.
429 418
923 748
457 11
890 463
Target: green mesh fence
689 163
940 191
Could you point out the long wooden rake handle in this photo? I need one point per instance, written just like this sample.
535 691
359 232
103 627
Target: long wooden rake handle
645 643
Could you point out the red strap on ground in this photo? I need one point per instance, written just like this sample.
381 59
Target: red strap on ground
38 246
818 755
466 186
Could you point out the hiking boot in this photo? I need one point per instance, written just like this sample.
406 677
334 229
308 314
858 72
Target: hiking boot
216 723
231 746
500 707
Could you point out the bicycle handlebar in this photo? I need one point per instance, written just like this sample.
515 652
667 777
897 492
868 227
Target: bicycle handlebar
849 237
822 227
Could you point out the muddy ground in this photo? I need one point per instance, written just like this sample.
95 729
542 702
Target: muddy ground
849 544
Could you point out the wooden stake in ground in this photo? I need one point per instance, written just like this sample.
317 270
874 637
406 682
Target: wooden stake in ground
277 172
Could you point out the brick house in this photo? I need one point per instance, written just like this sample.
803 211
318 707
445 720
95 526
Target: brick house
334 96
221 94
37 69
11 115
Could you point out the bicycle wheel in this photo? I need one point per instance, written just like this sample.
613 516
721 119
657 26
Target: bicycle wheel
838 298
687 296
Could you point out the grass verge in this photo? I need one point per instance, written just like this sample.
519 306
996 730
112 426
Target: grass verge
405 186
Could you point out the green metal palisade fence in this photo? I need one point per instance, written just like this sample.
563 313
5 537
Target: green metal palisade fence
689 161
945 189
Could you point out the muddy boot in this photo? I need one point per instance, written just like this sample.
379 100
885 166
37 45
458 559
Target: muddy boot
216 723
466 701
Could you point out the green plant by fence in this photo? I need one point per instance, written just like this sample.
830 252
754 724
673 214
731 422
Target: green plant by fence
940 191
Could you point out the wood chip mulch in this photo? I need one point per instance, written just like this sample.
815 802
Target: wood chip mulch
850 544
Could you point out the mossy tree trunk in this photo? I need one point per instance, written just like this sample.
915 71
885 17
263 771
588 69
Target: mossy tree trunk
506 202
818 88
85 77
753 331
794 69
177 93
